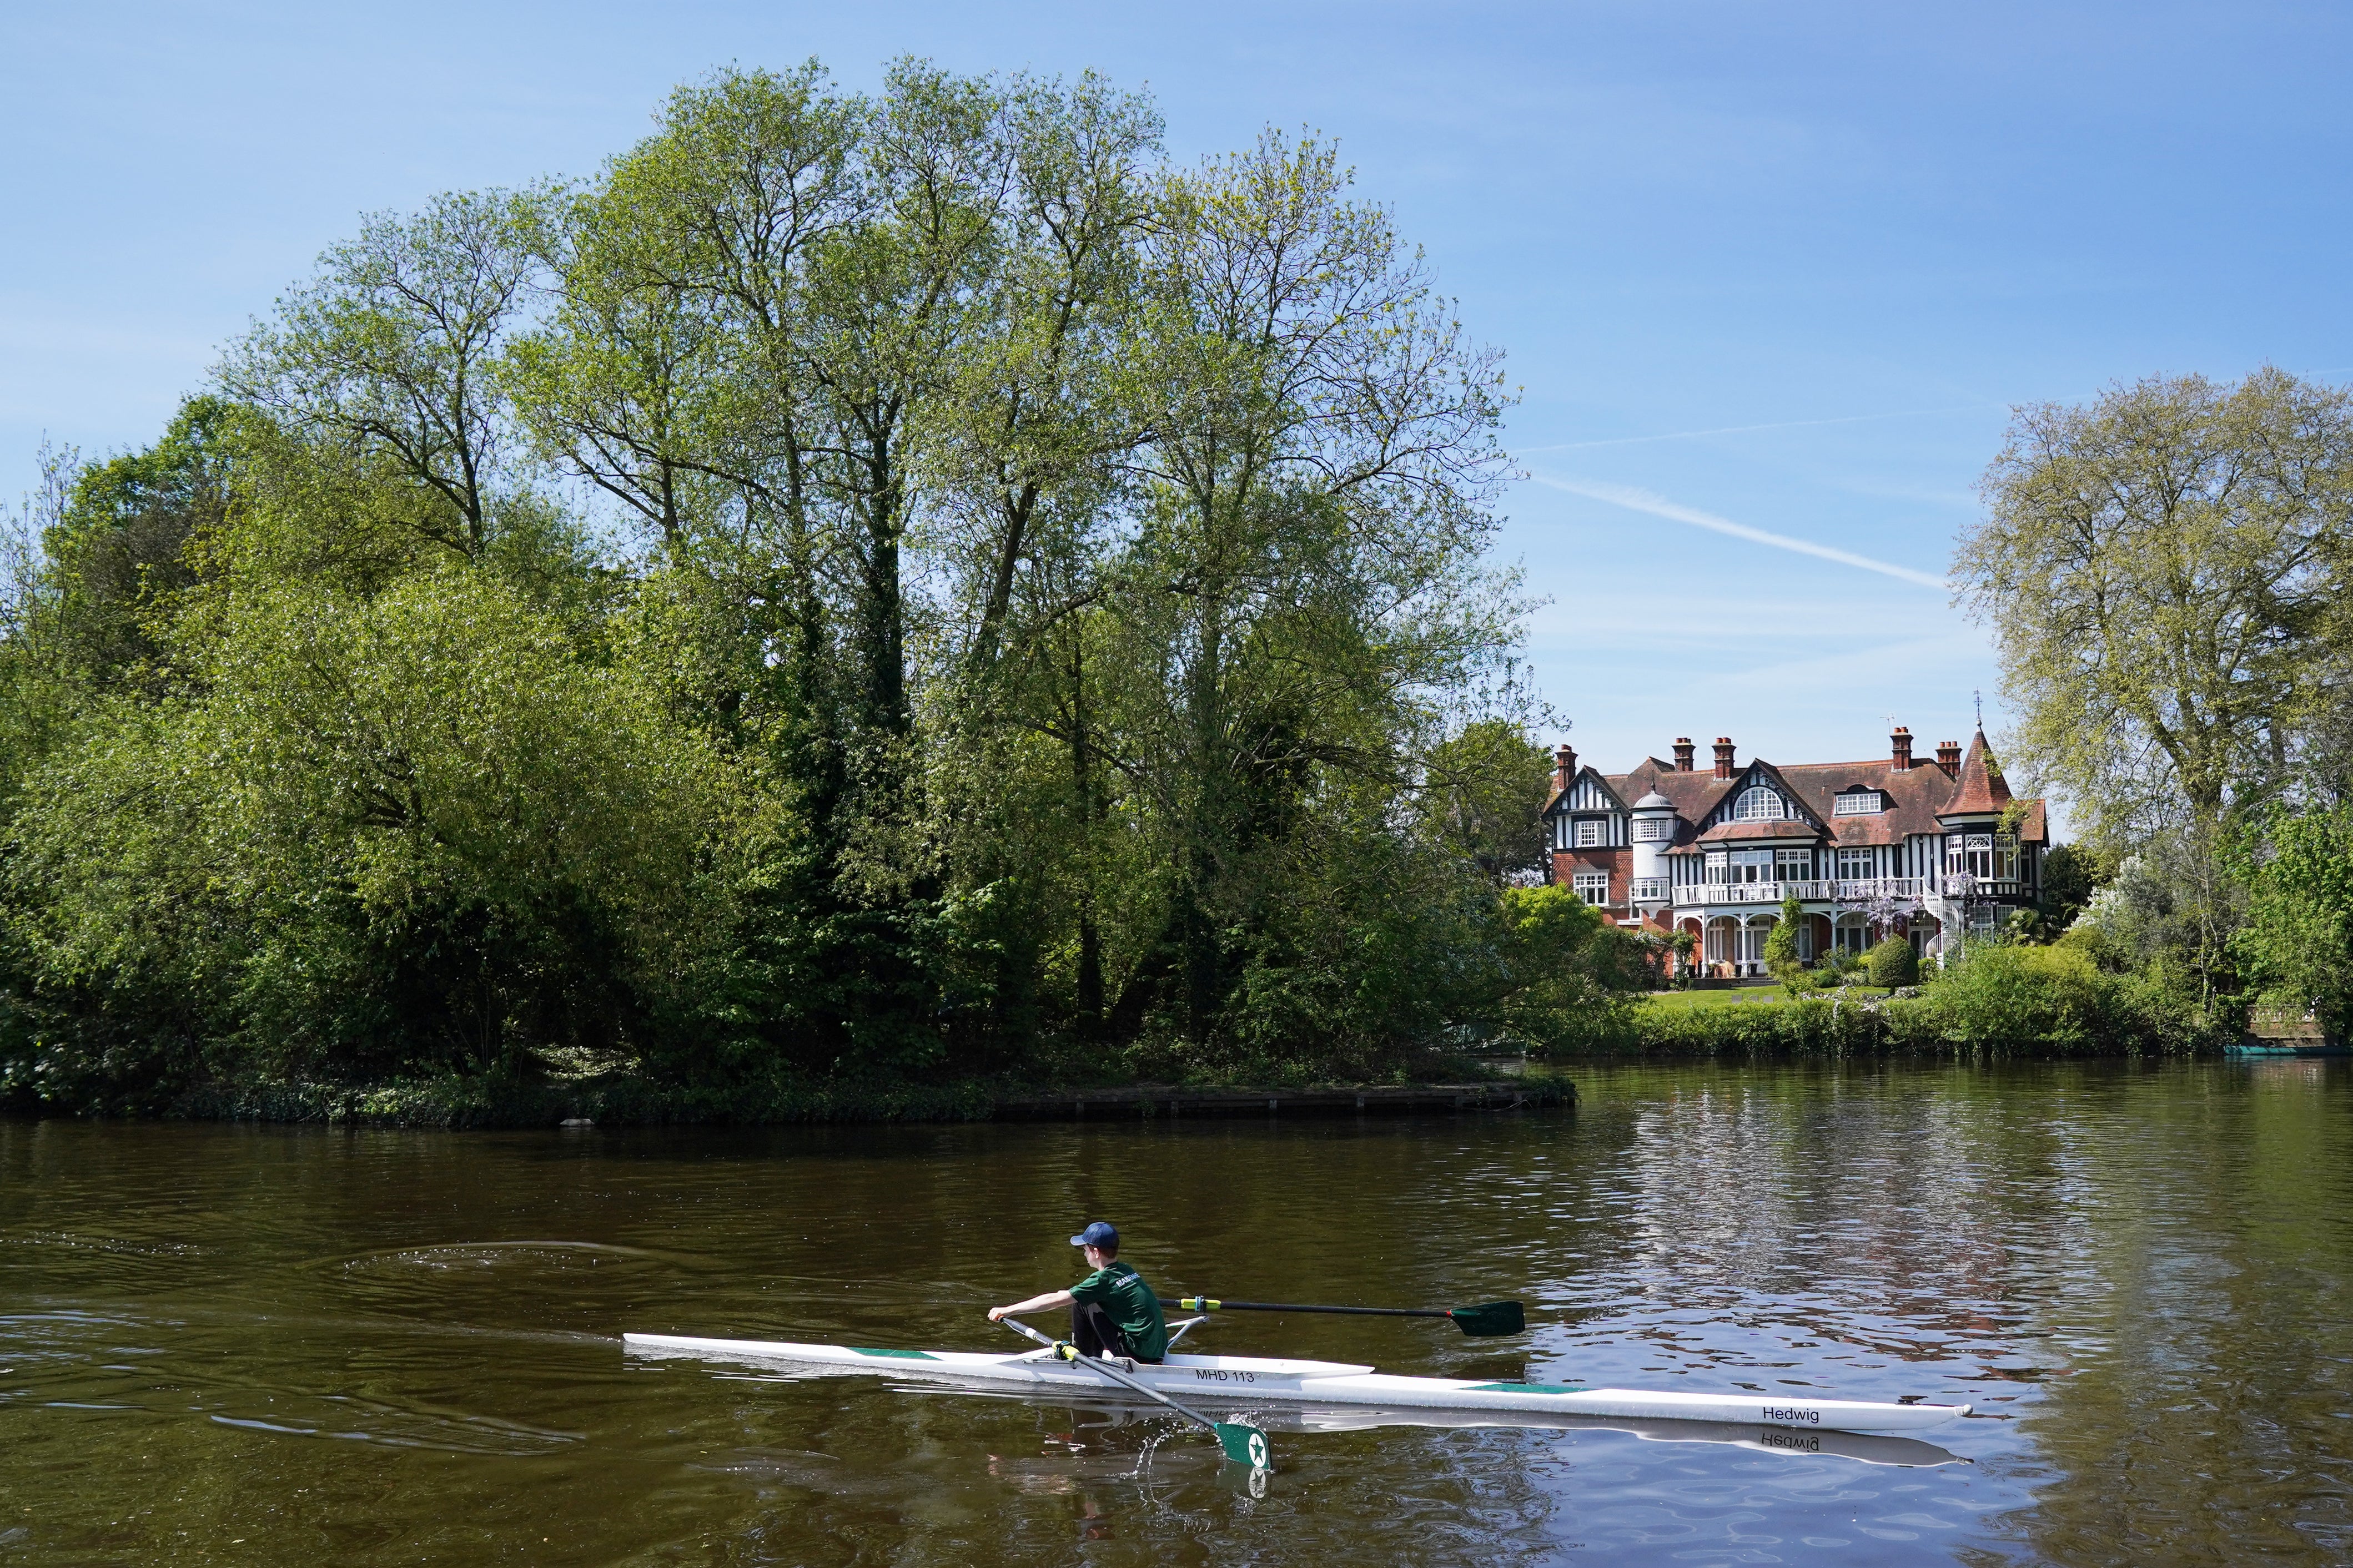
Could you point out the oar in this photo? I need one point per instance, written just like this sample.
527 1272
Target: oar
1242 1444
1487 1319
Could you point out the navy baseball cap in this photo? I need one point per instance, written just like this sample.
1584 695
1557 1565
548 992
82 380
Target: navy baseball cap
1098 1235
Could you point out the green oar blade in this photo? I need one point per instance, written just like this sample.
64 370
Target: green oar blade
1489 1319
1243 1445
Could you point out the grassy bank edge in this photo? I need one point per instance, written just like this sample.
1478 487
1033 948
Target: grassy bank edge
1832 1026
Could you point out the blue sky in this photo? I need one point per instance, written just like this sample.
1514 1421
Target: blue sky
1773 270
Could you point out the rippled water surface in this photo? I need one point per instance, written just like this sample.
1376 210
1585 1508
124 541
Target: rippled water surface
273 1346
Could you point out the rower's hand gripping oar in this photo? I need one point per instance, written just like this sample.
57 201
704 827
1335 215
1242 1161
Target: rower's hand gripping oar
1488 1320
1244 1445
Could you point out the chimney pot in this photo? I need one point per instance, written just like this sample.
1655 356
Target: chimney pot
1724 752
1900 749
1682 753
1948 757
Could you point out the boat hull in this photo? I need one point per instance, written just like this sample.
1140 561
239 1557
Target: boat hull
1265 1381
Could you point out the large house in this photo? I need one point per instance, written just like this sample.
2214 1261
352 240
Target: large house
1928 851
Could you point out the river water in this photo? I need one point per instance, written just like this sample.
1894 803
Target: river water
288 1346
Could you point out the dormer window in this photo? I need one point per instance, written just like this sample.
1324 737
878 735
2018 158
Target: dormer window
1758 805
1859 803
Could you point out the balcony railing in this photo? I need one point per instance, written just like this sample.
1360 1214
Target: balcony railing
1843 890
1749 892
1870 890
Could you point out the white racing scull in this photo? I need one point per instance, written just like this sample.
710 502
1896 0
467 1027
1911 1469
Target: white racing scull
1266 1383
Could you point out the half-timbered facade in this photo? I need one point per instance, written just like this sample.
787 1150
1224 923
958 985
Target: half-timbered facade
1897 846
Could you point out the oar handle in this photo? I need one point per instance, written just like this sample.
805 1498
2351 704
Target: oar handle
1018 1327
1215 1304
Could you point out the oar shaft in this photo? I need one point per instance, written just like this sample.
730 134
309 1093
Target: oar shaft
1113 1373
1218 1304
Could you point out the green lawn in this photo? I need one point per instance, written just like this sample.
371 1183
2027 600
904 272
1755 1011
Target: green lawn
1749 996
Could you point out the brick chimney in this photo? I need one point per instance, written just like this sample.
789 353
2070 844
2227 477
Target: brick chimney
1899 749
1564 768
1948 757
1682 753
1724 749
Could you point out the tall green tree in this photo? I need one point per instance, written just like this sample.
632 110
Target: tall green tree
2162 570
1013 603
1306 578
393 351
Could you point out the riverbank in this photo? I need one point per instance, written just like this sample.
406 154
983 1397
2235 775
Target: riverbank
1951 1019
622 1100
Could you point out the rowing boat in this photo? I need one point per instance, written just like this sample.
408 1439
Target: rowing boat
1274 1382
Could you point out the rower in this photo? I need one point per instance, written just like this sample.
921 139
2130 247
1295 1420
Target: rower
1112 1310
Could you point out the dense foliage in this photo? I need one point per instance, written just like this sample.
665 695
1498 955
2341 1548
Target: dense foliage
2168 573
1994 1000
2295 946
908 584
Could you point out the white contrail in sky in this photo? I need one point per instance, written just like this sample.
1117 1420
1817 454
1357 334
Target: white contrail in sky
1744 429
1642 500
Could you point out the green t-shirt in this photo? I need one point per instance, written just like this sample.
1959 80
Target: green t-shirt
1129 1302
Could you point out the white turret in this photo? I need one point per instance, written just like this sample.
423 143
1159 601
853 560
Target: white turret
1653 833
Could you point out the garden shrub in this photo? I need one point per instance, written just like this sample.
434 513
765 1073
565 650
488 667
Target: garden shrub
1893 963
2057 1001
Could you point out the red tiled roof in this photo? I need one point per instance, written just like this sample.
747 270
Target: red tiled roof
1785 827
1916 798
1982 787
1694 793
1912 797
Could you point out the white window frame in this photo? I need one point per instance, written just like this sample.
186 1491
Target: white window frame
1793 865
1857 865
1759 803
1652 829
1593 886
1588 833
1974 854
1756 861
1859 803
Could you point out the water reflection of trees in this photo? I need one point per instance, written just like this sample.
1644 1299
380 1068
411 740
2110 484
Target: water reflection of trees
2156 1254
2206 1419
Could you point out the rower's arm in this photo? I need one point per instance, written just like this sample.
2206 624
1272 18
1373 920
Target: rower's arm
1034 1304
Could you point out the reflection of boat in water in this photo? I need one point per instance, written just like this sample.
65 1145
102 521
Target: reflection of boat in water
1112 1411
1871 1447
1331 1397
2274 1050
